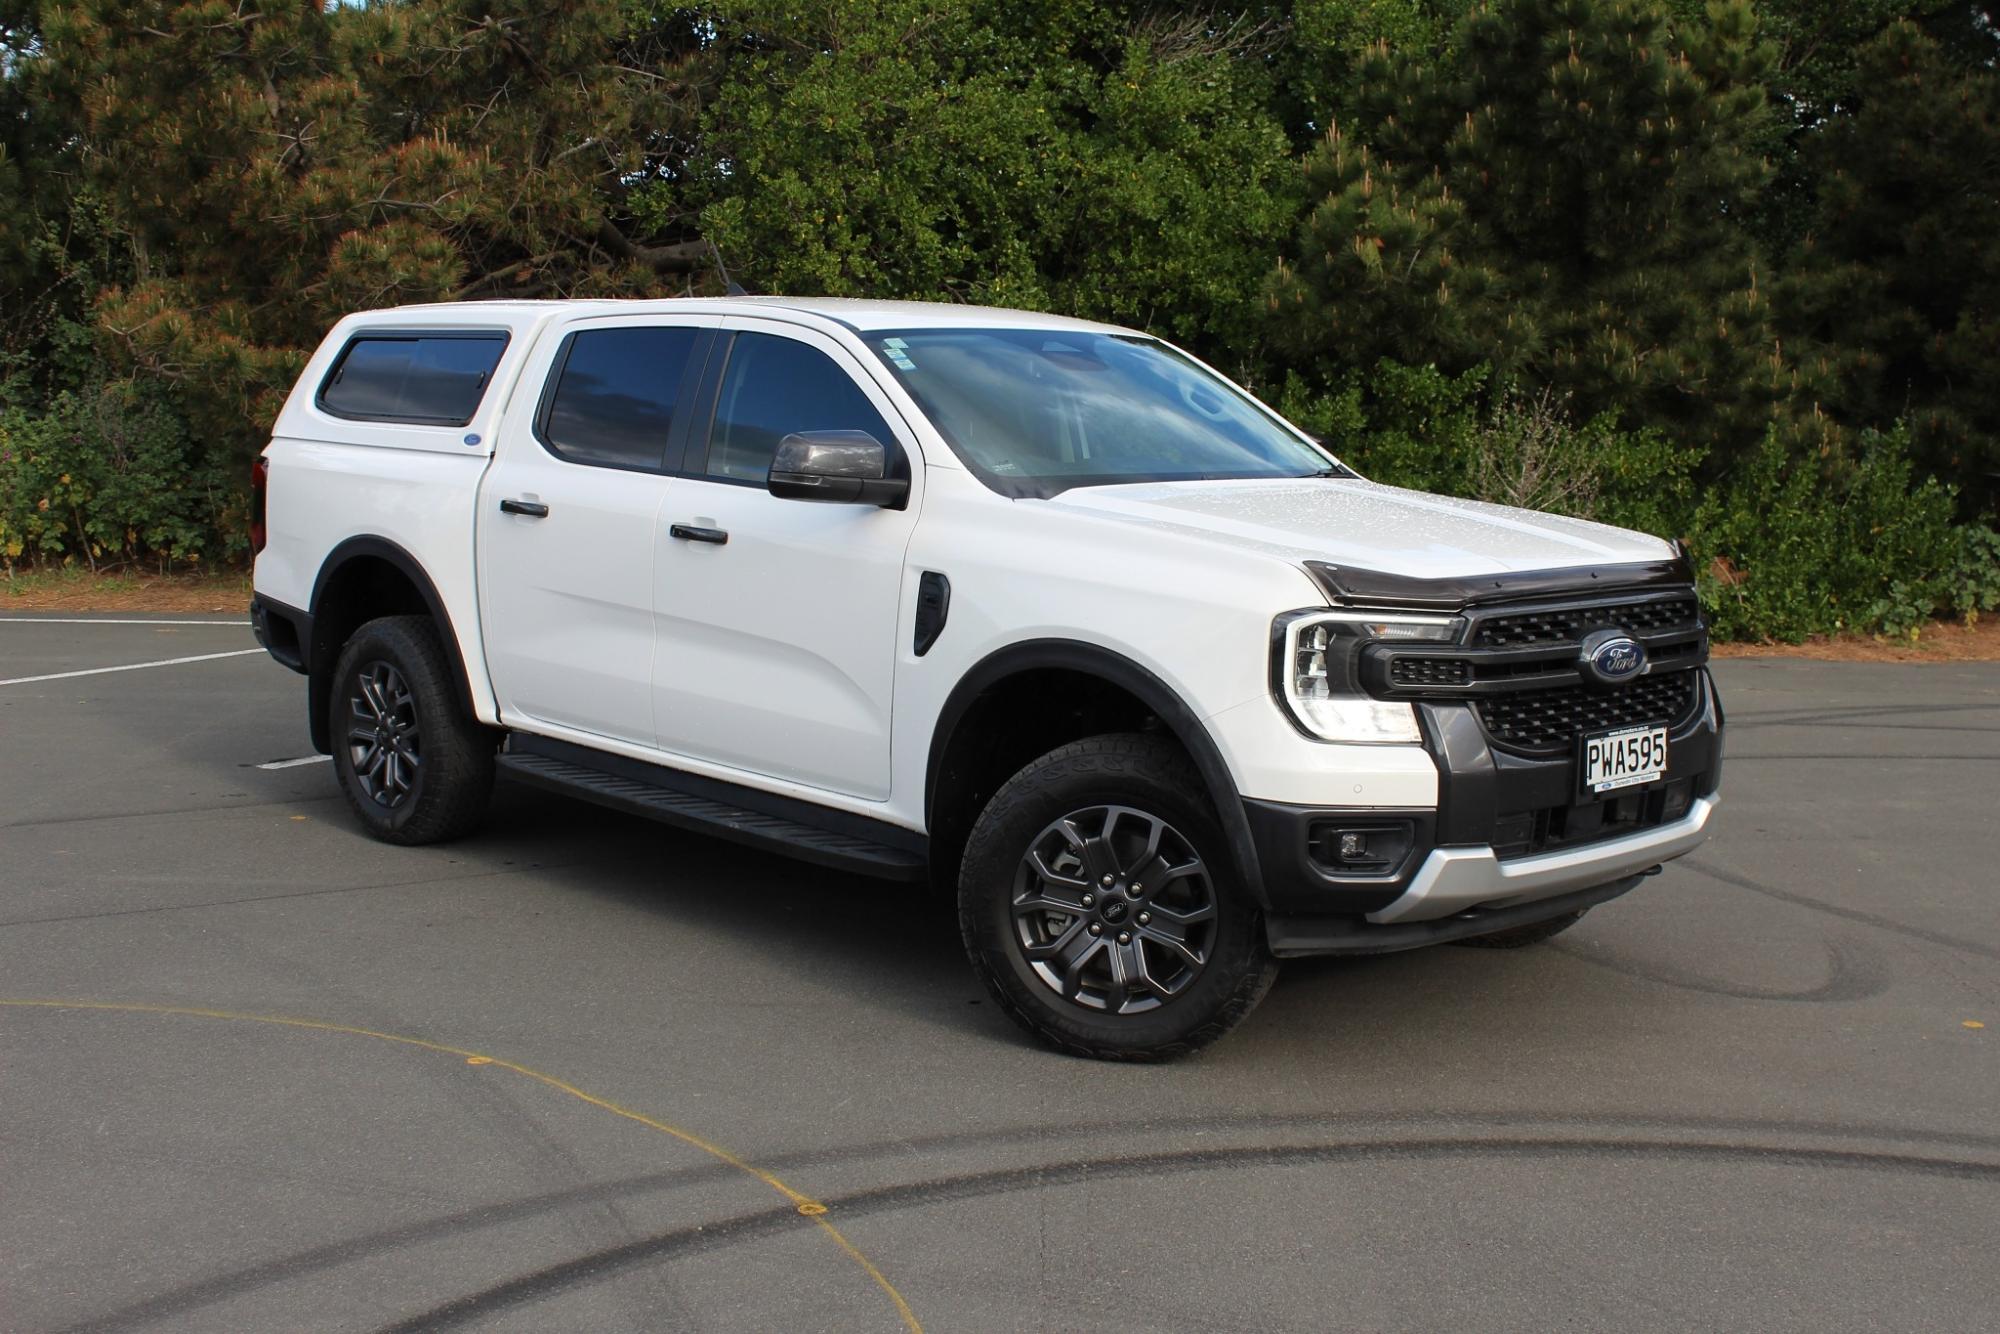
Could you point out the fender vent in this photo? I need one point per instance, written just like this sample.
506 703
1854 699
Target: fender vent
933 605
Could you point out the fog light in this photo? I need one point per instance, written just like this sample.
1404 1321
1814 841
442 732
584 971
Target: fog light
1373 848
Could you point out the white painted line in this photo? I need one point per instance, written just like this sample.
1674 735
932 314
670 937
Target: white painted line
102 620
129 667
293 764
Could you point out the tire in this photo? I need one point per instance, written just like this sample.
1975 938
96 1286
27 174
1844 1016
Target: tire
415 769
1518 937
1131 803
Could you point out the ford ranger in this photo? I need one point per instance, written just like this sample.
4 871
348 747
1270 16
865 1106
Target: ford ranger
1043 612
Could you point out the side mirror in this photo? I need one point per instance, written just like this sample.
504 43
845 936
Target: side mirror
846 467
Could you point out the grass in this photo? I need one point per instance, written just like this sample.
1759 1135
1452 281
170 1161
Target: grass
74 589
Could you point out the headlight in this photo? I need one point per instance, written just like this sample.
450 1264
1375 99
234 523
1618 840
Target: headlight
1315 671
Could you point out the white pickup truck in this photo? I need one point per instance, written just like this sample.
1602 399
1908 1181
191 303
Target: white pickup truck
1044 612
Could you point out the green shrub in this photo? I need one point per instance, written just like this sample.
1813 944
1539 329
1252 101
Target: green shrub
1972 582
108 473
1461 435
1788 550
1785 548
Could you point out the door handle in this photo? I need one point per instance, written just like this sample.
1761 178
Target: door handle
532 509
688 533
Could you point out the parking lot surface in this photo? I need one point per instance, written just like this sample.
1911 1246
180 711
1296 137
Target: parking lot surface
584 1072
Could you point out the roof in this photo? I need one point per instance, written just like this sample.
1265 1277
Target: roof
853 313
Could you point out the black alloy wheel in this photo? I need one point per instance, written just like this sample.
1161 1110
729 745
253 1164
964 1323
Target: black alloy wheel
1102 908
1114 909
383 740
414 765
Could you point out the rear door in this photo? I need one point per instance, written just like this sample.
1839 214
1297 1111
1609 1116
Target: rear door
778 618
568 517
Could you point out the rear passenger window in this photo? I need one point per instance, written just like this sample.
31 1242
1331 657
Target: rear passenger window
429 379
612 404
773 387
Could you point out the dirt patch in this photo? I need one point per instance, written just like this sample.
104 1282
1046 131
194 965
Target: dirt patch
1943 641
68 590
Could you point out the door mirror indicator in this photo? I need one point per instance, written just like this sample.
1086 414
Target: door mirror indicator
846 467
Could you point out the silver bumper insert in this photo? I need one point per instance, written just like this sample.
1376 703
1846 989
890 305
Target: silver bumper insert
1452 880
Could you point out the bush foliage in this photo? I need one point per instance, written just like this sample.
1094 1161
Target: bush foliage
1723 270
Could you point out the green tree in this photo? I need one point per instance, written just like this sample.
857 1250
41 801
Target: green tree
269 166
1897 282
1090 159
1564 201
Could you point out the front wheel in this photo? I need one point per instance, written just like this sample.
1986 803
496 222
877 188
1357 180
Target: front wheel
413 767
1100 906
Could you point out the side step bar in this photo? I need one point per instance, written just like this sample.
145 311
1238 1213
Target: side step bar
709 807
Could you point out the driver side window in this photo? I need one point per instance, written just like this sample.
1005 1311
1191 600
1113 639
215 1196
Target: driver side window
773 387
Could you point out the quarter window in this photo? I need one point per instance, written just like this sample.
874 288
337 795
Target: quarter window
612 405
774 387
428 379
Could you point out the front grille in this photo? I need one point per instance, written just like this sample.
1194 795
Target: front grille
1549 721
1421 671
1568 625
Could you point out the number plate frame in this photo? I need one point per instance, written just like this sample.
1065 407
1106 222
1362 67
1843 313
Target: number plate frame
1636 780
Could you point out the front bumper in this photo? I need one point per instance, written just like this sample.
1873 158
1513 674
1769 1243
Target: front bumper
1452 880
1510 836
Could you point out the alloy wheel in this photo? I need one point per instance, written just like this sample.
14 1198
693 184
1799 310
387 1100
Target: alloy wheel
382 738
1114 909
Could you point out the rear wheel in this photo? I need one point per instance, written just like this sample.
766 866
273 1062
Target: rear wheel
1100 906
413 767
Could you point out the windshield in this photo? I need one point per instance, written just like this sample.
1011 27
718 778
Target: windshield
1034 411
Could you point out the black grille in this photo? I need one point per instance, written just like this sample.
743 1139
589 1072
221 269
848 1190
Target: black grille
1568 625
1551 720
1415 671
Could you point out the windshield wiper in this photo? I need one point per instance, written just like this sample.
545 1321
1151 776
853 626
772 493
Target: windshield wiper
1337 470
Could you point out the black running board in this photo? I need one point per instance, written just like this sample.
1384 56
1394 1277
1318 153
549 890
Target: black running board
688 801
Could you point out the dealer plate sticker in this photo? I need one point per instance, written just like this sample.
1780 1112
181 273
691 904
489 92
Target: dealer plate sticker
1627 758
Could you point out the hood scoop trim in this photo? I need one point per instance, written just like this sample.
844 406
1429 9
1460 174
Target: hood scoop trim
1347 586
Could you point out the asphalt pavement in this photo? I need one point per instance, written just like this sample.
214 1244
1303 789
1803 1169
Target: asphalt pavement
583 1072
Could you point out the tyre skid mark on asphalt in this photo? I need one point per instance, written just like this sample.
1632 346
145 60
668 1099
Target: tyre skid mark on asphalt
802 1205
373 885
224 809
1744 721
586 1269
1436 1128
1849 976
1851 914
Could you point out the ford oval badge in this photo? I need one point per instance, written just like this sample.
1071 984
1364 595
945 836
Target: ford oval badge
1612 658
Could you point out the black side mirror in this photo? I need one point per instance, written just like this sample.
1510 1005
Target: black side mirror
847 467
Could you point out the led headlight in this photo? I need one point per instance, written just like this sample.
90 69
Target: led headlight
1315 673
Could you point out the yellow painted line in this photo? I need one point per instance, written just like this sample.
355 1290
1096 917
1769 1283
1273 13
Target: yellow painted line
807 1206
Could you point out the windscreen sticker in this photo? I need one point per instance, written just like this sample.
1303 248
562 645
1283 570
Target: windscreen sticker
896 344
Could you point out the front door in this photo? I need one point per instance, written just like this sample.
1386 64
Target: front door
568 517
778 618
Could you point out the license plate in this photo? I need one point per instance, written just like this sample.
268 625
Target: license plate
1625 758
